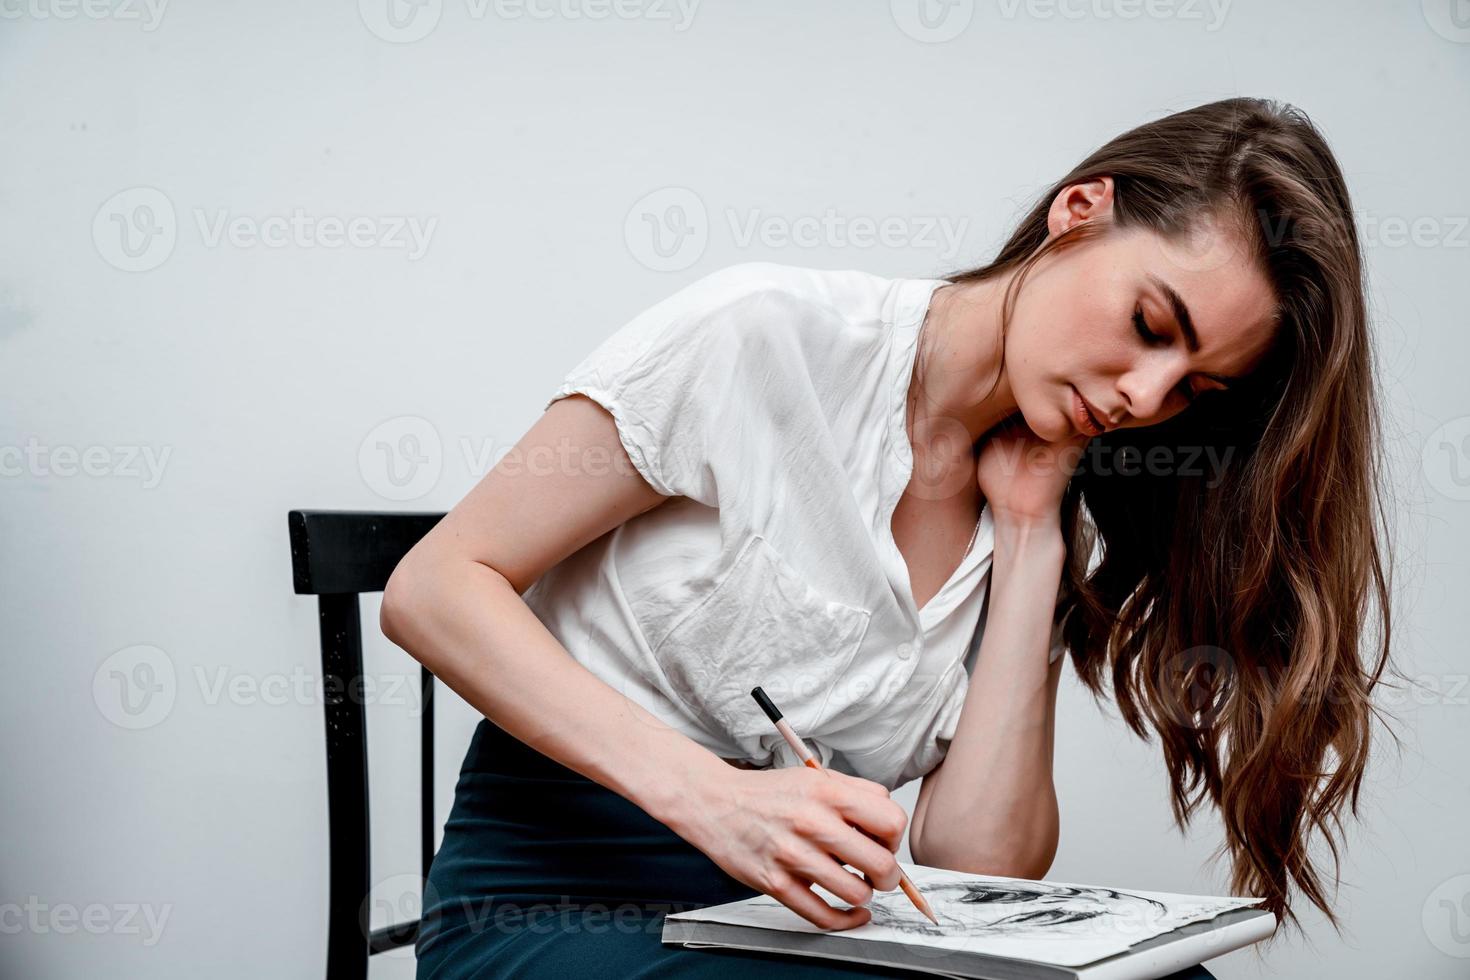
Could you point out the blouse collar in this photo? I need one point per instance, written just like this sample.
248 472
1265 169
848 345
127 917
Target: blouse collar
903 316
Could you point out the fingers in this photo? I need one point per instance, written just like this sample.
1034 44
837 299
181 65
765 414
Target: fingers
815 864
796 894
868 850
875 861
858 782
878 816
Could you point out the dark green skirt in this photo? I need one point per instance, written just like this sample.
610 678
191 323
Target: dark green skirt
545 873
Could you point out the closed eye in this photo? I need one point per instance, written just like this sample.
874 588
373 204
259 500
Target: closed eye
1140 323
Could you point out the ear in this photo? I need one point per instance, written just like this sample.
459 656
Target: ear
1075 203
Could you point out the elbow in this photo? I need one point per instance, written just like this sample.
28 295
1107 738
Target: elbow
396 611
1029 859
996 865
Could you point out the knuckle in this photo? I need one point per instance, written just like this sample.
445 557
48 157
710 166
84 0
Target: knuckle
826 791
803 823
777 883
786 854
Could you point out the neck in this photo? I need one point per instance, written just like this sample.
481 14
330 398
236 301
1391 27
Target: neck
959 363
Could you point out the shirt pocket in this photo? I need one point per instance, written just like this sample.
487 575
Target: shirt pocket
762 624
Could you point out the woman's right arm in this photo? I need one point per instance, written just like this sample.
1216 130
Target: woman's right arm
454 603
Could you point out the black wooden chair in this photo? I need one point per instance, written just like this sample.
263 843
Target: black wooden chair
335 556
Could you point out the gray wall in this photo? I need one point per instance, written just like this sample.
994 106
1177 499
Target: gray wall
483 191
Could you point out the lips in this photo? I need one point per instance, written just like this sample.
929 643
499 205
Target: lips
1087 421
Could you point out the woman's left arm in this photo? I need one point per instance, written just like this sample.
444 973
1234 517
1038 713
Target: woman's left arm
990 806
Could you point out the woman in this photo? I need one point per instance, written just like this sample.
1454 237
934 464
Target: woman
805 479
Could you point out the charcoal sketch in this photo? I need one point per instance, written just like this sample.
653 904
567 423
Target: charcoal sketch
1011 907
1014 908
1048 921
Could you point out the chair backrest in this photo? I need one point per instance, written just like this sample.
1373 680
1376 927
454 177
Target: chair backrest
337 555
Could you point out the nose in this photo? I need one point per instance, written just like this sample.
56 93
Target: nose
1149 388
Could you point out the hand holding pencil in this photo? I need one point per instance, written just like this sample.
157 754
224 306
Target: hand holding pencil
808 759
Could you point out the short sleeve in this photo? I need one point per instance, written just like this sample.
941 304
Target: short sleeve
696 383
933 742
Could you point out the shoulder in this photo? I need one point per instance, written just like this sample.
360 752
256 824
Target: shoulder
752 321
770 305
840 292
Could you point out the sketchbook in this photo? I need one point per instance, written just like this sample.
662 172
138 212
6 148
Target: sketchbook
996 929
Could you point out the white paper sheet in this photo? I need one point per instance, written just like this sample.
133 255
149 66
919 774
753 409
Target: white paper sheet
1061 923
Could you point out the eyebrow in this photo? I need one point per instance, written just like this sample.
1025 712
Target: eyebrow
1186 323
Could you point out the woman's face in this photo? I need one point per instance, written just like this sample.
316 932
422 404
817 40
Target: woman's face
1080 318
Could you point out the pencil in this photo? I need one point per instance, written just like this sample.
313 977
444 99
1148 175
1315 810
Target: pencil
805 755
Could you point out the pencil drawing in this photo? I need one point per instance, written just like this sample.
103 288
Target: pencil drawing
1013 908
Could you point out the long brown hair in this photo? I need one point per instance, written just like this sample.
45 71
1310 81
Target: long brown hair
1229 606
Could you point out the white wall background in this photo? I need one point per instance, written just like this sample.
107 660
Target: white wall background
165 404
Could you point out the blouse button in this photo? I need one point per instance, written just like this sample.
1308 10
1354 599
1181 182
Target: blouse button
905 650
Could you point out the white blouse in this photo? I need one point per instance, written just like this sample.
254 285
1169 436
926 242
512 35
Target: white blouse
768 401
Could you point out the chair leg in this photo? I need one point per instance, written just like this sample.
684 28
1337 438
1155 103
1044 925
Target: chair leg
347 787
